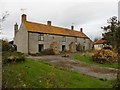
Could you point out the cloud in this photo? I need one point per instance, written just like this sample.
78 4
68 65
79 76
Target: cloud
89 15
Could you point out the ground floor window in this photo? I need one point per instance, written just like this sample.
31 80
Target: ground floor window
41 47
63 47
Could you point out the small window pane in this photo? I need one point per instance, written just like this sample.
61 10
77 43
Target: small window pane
41 37
64 39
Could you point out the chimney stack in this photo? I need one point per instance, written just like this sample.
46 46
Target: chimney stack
49 23
15 29
24 17
72 27
81 29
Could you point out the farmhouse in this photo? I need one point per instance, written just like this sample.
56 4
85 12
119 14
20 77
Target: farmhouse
99 44
34 37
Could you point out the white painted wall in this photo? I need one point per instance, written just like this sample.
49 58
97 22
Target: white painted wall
21 39
98 46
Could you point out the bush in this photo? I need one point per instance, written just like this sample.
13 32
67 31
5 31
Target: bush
12 57
48 52
105 56
6 46
36 54
107 48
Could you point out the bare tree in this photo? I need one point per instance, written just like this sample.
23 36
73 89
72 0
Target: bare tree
2 19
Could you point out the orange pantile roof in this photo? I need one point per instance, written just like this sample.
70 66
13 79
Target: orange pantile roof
42 28
101 41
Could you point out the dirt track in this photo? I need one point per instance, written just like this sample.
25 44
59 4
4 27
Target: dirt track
82 67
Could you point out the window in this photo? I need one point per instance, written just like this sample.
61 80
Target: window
75 39
84 40
40 37
64 39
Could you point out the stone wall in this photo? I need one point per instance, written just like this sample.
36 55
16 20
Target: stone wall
21 40
72 47
70 42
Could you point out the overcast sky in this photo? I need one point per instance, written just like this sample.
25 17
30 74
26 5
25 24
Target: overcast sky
90 15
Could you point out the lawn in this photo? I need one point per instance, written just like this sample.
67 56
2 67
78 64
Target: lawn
39 74
88 59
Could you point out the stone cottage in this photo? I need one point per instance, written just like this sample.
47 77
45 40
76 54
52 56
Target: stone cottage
33 37
99 44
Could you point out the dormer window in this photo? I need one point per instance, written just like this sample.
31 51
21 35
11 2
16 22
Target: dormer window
41 37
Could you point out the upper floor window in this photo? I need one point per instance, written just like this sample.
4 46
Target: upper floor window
75 39
84 40
40 37
64 39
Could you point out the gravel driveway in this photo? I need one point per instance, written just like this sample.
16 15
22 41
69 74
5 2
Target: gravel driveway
79 66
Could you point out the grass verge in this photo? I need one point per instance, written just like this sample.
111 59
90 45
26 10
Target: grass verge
37 74
89 60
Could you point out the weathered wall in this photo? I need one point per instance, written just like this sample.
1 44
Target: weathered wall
69 40
88 44
33 42
21 39
48 39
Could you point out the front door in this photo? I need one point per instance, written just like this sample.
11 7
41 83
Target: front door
63 47
41 47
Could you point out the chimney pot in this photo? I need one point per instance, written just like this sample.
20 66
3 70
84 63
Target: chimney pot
81 29
49 23
24 17
72 27
15 29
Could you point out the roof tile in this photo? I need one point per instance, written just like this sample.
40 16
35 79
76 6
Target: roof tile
42 28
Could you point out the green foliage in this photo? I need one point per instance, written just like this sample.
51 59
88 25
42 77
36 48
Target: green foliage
88 59
84 58
110 31
36 74
105 56
12 57
118 36
6 46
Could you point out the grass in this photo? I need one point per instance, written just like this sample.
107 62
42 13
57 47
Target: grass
38 74
89 60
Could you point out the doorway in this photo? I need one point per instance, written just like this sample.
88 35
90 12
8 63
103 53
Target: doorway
63 47
41 47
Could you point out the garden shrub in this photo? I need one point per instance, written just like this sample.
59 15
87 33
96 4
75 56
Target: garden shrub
48 52
12 57
35 54
6 46
105 56
65 51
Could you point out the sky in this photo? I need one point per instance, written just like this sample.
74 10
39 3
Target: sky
90 15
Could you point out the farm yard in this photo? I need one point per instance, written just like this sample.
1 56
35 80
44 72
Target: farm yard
56 71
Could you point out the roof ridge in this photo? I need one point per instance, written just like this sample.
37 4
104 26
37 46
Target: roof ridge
43 28
54 26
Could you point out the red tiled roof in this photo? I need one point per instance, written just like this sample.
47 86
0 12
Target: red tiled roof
100 41
42 28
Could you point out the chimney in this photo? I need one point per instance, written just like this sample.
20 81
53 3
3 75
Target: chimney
24 17
15 29
49 23
72 27
81 29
